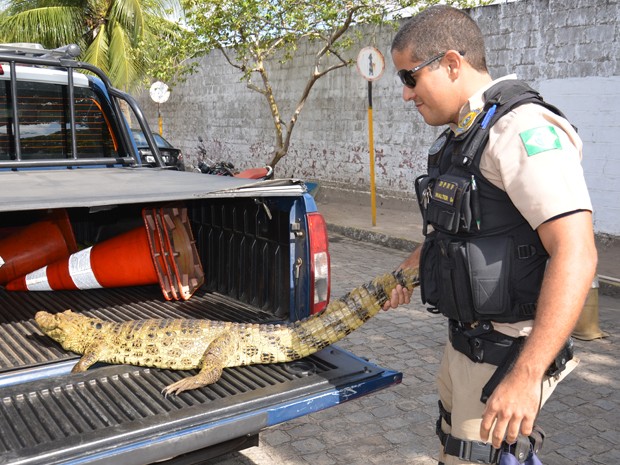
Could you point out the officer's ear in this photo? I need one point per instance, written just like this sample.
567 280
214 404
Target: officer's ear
454 61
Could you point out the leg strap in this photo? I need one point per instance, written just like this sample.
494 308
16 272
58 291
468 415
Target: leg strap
444 414
480 452
472 451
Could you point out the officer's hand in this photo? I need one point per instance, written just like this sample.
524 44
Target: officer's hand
513 407
400 296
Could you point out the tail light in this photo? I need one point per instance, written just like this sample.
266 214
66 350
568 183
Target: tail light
319 263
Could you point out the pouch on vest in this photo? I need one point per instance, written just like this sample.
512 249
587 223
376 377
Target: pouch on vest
467 280
445 202
490 260
444 279
429 270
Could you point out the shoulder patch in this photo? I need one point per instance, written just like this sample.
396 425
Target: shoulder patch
467 121
437 145
540 139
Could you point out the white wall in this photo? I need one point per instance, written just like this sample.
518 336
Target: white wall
568 50
593 105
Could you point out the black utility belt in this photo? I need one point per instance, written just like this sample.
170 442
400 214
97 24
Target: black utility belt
482 344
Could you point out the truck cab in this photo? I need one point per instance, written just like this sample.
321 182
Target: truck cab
258 253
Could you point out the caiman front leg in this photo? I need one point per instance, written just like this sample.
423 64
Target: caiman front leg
215 358
89 358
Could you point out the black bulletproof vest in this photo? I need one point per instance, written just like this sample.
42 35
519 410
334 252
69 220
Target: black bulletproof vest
482 261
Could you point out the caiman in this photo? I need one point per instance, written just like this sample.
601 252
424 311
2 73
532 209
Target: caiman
211 346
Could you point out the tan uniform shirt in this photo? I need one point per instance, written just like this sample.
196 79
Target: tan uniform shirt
534 156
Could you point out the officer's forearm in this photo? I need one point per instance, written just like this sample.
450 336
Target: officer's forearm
413 260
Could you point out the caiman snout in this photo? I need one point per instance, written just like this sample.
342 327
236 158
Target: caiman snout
45 320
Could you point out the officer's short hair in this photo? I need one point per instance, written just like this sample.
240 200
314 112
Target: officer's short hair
440 28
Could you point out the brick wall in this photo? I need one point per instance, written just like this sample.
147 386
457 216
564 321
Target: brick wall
568 50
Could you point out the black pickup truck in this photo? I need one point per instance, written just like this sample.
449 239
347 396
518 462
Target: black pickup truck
70 175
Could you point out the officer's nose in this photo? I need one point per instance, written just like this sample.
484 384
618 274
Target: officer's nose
408 93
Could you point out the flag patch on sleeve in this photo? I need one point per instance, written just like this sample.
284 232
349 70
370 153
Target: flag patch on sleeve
540 139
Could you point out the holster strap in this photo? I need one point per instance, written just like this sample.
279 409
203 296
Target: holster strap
472 451
480 452
481 344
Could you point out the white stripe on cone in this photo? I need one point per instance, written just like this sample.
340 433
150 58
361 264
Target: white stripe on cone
37 280
80 270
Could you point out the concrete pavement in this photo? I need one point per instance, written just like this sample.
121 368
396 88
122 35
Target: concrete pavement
396 426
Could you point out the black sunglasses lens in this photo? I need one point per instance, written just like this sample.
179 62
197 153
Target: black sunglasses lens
407 78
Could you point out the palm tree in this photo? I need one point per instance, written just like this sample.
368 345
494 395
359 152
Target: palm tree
118 36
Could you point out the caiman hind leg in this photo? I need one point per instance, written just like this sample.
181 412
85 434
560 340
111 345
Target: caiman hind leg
215 358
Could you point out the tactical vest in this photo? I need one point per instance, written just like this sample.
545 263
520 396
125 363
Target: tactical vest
482 261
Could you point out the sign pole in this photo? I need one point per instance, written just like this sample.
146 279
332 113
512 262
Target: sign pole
160 120
160 93
370 64
371 144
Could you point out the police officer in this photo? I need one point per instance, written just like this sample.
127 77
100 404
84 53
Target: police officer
509 254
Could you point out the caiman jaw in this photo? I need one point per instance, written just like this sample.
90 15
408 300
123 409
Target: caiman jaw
46 321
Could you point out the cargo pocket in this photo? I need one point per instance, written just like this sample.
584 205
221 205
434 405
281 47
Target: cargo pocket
490 267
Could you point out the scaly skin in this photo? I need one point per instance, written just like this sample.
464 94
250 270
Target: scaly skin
185 344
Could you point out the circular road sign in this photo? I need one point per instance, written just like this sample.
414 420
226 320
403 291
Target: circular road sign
370 63
159 92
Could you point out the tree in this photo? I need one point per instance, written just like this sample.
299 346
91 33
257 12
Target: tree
122 37
253 33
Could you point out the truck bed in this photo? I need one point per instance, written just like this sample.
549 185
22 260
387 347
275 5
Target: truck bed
59 417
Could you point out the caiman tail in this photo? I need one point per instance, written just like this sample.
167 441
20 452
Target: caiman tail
348 313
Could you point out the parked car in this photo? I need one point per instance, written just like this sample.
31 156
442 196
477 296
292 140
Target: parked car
171 155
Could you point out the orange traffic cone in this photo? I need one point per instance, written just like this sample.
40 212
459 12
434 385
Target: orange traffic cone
138 257
124 260
36 245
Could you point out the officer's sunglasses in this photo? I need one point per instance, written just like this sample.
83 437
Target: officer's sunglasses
406 75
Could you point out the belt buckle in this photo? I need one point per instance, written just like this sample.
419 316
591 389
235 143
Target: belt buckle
480 452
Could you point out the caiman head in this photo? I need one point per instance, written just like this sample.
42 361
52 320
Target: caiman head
70 329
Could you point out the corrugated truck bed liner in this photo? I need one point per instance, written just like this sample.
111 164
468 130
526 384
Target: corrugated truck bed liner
22 344
58 417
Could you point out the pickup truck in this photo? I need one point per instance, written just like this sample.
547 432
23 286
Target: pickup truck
260 255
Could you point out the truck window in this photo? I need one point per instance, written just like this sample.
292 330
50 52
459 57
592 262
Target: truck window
44 123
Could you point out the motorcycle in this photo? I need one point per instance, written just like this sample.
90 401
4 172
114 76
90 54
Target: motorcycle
225 168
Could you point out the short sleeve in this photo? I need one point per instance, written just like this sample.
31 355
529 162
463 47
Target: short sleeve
534 155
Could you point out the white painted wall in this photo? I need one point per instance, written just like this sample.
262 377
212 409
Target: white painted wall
568 50
593 105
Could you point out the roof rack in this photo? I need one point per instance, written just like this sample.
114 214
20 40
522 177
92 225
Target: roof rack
64 58
37 50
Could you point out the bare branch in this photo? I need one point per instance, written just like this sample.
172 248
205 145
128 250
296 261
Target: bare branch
230 62
338 32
